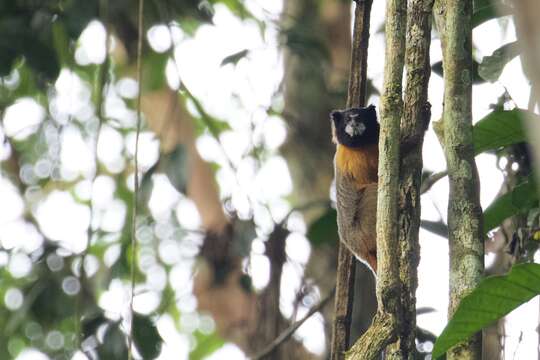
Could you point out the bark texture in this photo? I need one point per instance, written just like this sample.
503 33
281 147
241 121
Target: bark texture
346 268
383 330
416 116
464 211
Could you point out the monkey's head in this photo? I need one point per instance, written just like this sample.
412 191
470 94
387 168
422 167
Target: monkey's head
356 127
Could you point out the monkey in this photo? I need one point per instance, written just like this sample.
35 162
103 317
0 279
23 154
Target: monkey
356 134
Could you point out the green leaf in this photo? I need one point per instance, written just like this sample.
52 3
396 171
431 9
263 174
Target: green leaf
153 68
206 121
494 297
484 10
522 198
324 229
492 66
146 337
206 345
498 129
61 43
114 344
234 58
174 165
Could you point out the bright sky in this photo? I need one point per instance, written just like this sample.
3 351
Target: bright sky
252 82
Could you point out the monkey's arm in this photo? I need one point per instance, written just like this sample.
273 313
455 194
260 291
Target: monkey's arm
356 218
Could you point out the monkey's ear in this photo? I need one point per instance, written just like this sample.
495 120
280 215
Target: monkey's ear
372 113
336 115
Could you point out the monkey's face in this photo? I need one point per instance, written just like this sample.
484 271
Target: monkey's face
356 127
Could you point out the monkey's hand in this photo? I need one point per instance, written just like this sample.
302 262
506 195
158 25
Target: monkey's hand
356 218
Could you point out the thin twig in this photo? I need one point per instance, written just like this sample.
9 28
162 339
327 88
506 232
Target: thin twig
136 188
291 329
431 180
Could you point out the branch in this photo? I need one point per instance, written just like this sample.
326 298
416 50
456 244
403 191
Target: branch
464 211
346 262
431 180
385 323
291 329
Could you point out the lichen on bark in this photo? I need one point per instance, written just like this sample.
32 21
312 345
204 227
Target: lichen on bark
464 212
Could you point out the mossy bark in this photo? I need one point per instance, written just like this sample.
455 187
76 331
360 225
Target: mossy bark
416 116
464 211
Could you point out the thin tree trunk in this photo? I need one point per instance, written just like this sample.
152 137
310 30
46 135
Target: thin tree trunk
464 211
346 261
416 116
387 320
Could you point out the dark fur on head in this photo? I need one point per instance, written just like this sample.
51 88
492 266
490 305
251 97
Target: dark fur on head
356 127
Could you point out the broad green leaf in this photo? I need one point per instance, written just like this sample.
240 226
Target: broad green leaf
494 297
146 337
498 129
492 66
324 229
522 198
234 58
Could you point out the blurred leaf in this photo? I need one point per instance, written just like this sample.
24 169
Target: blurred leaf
498 129
484 10
147 185
206 121
324 230
174 165
436 227
492 66
477 79
114 344
154 76
90 324
493 298
522 198
235 58
206 345
237 7
51 304
61 43
146 336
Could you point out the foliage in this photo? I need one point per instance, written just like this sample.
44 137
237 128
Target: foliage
494 297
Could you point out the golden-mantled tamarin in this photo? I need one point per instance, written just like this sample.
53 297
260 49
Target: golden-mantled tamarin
356 134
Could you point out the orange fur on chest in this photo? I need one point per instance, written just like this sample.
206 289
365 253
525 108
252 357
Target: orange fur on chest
359 164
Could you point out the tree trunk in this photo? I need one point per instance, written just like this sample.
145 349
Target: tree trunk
464 211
